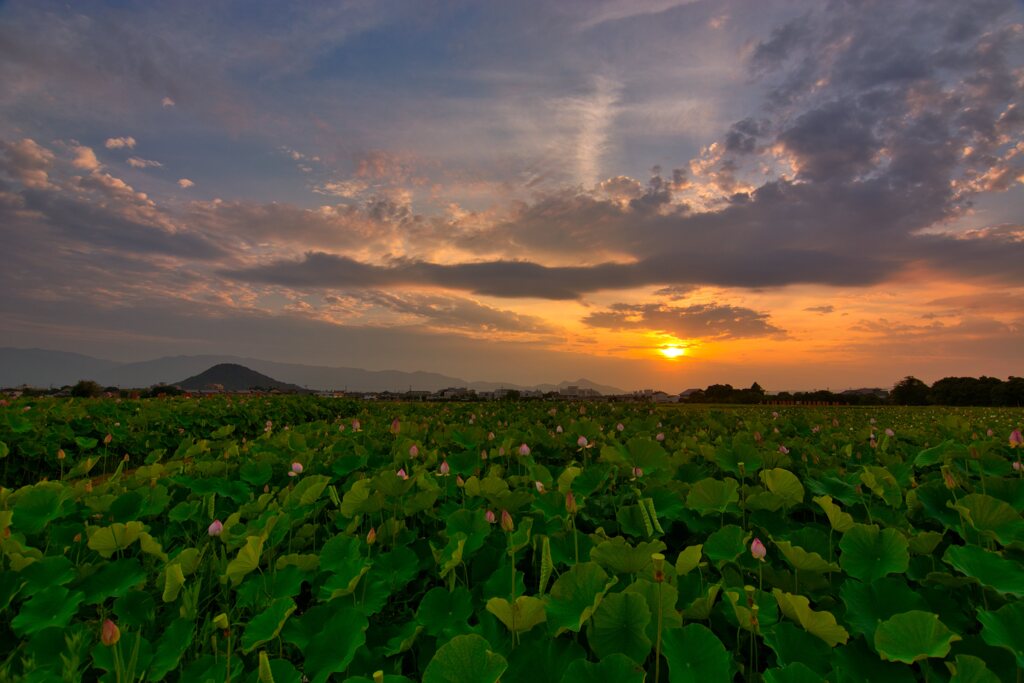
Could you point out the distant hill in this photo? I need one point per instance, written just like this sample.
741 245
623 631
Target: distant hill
234 377
42 368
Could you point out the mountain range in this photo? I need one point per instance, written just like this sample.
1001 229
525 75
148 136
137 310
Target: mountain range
44 368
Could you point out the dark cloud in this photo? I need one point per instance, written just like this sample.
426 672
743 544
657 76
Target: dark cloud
459 313
826 308
704 321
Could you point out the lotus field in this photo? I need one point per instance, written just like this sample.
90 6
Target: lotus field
298 538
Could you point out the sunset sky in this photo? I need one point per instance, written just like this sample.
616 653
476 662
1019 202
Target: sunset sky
806 194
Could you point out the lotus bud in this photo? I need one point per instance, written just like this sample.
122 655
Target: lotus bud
783 450
506 522
356 426
539 486
558 429
658 560
60 454
619 427
110 634
758 550
296 469
489 516
889 432
107 439
990 433
1016 466
459 481
401 474
758 437
582 442
947 477
501 451
570 503
396 426
371 536
414 451
660 436
490 436
637 472
215 528
524 449
444 469
1016 439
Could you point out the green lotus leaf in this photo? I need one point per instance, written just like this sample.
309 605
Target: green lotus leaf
867 604
668 597
615 667
856 663
820 624
175 639
792 673
883 484
266 625
726 544
332 648
470 523
939 453
839 520
542 660
784 484
521 616
247 560
443 612
911 636
619 626
54 606
804 560
36 506
307 491
131 643
713 496
113 580
135 609
342 556
992 569
465 659
992 517
969 669
701 607
689 559
575 595
4 450
792 644
1005 628
870 553
925 542
55 570
695 655
619 557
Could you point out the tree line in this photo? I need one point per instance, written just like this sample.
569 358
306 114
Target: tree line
959 391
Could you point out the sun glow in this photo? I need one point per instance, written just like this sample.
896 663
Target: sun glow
672 351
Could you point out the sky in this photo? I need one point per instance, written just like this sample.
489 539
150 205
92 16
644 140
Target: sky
647 193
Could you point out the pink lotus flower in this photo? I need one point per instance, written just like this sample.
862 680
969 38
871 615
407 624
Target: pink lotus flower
619 427
396 426
758 437
570 503
295 470
490 436
1016 466
539 486
444 469
414 451
459 481
558 429
401 474
783 450
1016 438
660 436
889 432
109 634
489 516
356 426
215 528
758 550
524 449
582 442
637 473
501 451
775 415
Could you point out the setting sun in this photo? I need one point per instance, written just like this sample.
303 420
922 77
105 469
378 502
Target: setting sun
672 351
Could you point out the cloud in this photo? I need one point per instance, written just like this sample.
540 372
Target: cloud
700 321
85 158
120 143
826 308
27 162
137 162
459 314
185 183
167 102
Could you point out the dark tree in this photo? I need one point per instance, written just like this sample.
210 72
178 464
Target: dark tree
910 391
86 388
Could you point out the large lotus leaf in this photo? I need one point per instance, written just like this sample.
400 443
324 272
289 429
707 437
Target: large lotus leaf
615 667
870 553
442 611
867 604
619 557
135 609
792 673
792 645
247 560
700 608
55 570
113 580
713 496
969 669
803 560
306 491
131 642
266 625
542 660
784 484
925 542
936 454
575 596
465 659
472 524
108 540
619 626
361 499
992 517
689 559
35 506
991 569
695 655
521 616
839 520
856 663
331 650
911 636
821 624
726 544
342 556
1005 628
54 606
174 640
654 593
883 484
